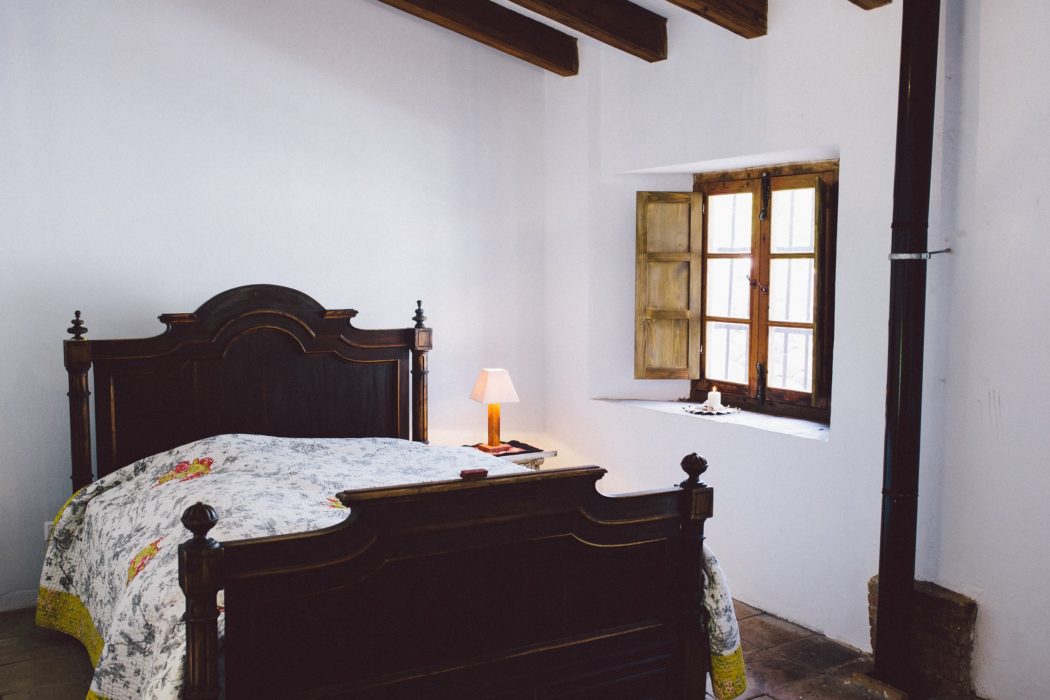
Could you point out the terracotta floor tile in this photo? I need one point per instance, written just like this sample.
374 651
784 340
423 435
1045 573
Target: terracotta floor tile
818 652
744 611
765 631
751 693
874 688
819 687
863 663
860 665
768 670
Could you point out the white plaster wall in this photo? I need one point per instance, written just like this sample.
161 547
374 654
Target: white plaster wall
797 521
988 534
153 154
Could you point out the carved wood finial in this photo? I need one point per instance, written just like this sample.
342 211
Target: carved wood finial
78 329
199 518
694 465
419 317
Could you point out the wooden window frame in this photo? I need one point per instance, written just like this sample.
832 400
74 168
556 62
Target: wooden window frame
815 405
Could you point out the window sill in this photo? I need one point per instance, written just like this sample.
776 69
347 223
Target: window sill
797 427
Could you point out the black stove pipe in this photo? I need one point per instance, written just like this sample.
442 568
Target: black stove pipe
911 207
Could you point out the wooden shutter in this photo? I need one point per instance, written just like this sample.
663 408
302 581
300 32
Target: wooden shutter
668 288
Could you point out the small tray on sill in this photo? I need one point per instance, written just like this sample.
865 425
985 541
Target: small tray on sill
705 410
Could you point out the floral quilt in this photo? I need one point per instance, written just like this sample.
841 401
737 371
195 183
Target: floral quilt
728 675
111 569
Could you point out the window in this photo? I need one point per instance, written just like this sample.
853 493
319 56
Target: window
735 287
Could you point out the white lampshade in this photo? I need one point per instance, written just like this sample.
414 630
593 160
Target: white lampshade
494 386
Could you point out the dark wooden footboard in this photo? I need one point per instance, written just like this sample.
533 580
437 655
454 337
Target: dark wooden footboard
524 586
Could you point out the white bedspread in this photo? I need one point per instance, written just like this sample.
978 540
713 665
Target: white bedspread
111 569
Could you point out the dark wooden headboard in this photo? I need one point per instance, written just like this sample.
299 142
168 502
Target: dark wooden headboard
256 359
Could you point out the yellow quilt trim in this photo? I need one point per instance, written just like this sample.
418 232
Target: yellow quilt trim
64 612
728 677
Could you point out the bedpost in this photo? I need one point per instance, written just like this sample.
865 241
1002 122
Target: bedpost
200 577
423 342
78 362
694 506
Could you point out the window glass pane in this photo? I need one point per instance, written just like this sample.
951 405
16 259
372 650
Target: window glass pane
791 290
729 223
792 220
790 359
725 352
728 291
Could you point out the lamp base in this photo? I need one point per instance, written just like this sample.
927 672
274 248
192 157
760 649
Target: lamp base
495 449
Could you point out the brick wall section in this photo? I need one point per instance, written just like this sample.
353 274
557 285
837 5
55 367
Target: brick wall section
941 641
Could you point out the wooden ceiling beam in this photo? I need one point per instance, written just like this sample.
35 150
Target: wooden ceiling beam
619 23
500 28
870 4
744 17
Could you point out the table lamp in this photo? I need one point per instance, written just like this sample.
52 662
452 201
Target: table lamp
493 388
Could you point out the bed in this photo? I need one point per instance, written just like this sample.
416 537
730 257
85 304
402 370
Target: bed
510 585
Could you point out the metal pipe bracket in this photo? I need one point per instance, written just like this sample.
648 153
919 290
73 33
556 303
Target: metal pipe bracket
918 256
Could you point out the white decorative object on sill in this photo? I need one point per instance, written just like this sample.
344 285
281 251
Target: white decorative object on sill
706 409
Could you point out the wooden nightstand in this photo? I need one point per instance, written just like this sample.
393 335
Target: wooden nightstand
532 460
